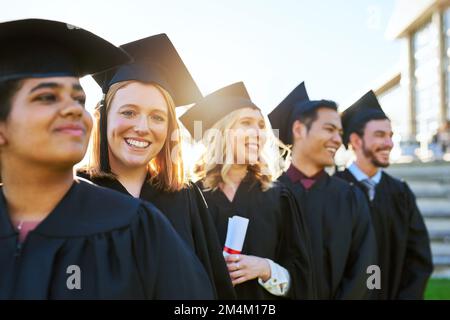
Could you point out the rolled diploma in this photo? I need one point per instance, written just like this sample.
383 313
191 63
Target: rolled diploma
237 228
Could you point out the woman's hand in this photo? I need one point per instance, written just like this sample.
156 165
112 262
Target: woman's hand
242 268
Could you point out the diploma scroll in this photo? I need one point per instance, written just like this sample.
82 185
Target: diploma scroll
237 228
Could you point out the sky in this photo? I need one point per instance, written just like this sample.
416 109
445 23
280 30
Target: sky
339 48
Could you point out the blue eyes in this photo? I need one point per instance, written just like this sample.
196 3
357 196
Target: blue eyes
130 114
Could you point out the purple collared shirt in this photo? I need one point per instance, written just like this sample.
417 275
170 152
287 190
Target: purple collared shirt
296 175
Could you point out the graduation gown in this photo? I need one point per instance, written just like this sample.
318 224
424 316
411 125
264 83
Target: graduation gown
342 237
121 248
276 231
404 253
188 213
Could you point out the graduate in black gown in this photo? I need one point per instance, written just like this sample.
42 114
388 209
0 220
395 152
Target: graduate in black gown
337 215
404 254
60 237
137 146
237 180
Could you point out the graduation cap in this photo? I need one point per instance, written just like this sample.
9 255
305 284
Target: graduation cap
217 105
362 111
155 60
36 48
293 106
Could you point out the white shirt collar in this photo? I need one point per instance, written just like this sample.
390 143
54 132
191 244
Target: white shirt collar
360 175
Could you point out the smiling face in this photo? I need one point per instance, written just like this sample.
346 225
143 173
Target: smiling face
376 144
319 144
247 136
137 125
47 124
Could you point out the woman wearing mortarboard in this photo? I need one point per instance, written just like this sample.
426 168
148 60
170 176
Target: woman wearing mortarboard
238 179
60 237
137 146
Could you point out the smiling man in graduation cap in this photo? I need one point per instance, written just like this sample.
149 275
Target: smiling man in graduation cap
62 238
404 254
343 243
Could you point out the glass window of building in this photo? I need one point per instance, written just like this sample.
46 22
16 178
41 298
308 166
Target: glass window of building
426 73
447 58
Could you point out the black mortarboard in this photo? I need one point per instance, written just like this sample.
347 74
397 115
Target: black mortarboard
295 104
217 105
155 59
365 109
36 48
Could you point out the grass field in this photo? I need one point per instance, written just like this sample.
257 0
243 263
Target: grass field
438 289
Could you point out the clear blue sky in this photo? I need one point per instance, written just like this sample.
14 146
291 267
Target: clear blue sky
338 47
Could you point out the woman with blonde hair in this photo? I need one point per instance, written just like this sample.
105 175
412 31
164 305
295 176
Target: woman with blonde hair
238 178
137 146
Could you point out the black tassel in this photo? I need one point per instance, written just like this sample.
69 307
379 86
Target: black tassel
104 157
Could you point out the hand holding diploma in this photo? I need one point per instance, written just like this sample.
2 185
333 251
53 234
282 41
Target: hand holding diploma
242 267
237 228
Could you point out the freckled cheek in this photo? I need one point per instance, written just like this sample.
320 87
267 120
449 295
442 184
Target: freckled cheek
160 132
118 127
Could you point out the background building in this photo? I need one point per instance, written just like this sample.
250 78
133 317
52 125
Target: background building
416 95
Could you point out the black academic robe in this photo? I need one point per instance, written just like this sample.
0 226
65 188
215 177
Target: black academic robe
342 237
188 213
116 246
276 231
404 253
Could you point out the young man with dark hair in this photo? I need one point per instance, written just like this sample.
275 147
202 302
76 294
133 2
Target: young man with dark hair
343 242
404 254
